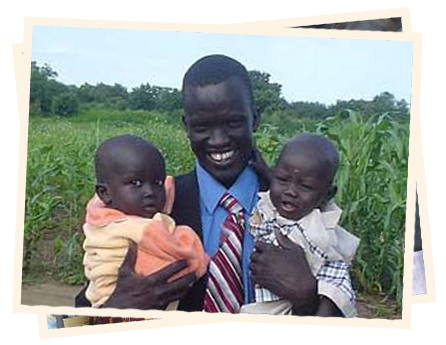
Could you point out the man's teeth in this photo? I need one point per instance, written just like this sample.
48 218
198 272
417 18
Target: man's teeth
222 156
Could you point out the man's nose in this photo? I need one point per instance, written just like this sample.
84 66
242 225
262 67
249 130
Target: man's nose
218 137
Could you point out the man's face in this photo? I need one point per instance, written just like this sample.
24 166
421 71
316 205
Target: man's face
220 122
299 184
136 186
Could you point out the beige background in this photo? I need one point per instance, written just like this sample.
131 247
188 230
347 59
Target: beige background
178 325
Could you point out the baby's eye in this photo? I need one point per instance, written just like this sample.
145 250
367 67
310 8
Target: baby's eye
159 182
199 128
281 179
136 183
307 187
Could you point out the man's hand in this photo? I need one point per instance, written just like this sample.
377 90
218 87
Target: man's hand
134 291
327 308
284 270
261 168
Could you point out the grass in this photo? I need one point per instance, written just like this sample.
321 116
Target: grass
372 183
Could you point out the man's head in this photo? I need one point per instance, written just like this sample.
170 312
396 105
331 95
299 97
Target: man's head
130 174
303 176
220 115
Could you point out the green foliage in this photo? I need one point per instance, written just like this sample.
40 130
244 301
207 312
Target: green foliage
372 181
267 95
68 258
269 142
43 88
49 96
65 104
142 97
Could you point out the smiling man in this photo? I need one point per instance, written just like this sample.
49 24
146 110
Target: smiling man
216 200
220 119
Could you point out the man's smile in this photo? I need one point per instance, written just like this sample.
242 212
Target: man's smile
223 157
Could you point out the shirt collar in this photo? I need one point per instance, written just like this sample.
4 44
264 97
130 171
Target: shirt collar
244 189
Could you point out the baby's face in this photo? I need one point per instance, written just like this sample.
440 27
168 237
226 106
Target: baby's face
137 185
299 184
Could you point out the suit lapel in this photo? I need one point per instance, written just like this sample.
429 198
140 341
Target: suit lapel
186 209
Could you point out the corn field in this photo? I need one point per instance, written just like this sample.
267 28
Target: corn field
371 180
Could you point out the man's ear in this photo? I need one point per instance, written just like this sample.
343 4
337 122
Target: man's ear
103 194
185 126
256 117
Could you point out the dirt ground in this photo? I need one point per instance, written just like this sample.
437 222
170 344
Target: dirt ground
51 293
56 294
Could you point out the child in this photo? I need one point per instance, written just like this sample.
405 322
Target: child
132 198
300 206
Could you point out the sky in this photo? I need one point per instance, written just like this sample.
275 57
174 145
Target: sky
309 69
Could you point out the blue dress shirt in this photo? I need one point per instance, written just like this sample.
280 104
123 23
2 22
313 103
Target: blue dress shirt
213 216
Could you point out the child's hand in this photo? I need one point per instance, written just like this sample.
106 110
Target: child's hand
261 168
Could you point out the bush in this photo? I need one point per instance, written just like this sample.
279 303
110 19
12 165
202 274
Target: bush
66 104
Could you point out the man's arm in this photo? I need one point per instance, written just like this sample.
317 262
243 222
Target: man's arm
334 284
80 300
327 308
262 170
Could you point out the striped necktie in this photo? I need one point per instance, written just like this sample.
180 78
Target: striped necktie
224 292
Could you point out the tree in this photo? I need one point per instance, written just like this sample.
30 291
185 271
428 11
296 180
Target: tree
142 97
43 88
384 102
66 104
312 110
166 98
267 95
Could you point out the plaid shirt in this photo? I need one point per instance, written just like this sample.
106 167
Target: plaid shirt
332 274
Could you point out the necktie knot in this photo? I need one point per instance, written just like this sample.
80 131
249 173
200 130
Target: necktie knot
231 204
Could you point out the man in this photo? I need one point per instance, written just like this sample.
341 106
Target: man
220 119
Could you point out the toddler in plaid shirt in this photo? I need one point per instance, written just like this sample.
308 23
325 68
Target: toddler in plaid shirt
300 205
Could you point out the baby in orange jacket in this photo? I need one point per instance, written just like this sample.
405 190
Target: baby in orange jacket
133 198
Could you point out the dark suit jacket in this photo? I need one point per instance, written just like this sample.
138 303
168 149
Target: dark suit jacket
186 211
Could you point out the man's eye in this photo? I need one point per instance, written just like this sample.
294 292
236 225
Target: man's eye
136 183
235 124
